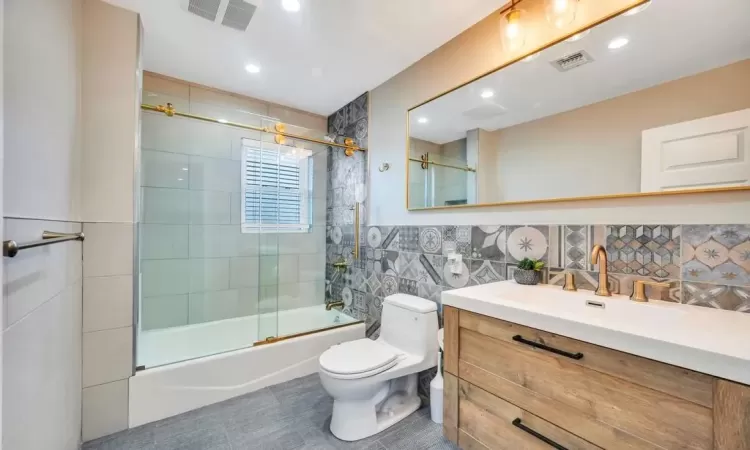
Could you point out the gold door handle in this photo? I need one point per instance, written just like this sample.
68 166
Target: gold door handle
639 289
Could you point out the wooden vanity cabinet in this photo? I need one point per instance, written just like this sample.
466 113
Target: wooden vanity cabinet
512 387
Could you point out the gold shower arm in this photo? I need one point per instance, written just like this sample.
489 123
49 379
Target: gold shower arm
279 130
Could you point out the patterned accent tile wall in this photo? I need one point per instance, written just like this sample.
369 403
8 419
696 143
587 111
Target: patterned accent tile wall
710 268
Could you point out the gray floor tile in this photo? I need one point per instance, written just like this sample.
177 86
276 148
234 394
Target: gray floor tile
289 416
416 432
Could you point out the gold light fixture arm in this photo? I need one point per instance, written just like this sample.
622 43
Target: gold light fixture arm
279 130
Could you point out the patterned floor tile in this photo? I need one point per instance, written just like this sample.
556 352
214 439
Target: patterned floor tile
647 250
483 272
528 242
570 246
408 239
732 298
717 254
431 240
457 239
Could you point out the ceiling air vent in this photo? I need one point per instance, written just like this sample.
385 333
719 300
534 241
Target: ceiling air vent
235 14
572 61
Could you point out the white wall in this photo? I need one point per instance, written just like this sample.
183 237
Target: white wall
42 286
474 52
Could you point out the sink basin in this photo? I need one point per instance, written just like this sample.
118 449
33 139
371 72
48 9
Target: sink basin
703 339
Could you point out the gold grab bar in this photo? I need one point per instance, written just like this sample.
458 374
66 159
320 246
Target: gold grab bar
426 162
279 129
11 248
355 252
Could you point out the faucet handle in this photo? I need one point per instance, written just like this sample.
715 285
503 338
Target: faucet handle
639 289
570 282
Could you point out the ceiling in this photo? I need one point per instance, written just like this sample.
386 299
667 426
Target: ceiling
669 40
317 59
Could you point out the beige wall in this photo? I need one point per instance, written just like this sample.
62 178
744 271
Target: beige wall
111 83
472 53
203 100
596 149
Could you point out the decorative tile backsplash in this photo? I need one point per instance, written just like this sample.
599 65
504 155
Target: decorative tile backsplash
705 265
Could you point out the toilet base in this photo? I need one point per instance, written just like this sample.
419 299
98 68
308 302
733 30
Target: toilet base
355 420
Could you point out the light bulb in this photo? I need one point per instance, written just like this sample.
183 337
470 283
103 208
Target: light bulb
619 42
290 5
514 32
561 13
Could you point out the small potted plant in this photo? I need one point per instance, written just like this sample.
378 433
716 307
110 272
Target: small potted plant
529 271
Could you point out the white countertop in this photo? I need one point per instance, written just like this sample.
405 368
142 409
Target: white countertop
707 340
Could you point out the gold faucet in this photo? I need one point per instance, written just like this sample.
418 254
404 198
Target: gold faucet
331 305
570 282
599 255
639 289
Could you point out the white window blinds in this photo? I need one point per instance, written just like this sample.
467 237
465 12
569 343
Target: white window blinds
277 188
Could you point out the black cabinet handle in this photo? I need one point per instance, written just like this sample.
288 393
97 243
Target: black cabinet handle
519 338
541 437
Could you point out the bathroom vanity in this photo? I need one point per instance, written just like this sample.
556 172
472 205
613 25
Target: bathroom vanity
535 367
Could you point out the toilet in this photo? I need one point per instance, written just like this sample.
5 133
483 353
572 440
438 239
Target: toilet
374 383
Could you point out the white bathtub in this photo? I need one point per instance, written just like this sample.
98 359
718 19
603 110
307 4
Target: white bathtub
167 390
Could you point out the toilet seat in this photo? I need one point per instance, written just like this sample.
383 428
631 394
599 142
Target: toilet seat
358 359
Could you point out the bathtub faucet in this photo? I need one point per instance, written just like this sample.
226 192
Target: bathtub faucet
331 305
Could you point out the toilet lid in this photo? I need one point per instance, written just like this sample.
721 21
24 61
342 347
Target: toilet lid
354 357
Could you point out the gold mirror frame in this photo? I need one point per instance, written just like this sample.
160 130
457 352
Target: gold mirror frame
512 61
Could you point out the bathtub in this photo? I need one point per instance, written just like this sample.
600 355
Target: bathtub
235 367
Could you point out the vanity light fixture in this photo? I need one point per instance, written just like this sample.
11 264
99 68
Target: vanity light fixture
637 9
291 5
618 43
487 93
252 68
422 120
578 36
561 13
513 28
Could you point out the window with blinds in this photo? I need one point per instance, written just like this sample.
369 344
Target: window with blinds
277 188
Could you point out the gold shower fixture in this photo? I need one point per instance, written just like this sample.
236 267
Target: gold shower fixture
279 130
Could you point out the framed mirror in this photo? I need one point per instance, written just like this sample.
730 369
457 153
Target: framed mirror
655 101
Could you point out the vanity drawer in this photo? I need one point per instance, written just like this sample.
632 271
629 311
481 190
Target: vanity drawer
601 408
486 421
675 381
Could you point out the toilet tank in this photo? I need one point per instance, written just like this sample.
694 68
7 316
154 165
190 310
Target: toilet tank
410 324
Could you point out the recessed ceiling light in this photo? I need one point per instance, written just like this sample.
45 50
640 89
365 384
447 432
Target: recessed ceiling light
637 9
223 120
290 5
619 42
487 93
578 36
422 120
531 57
252 68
